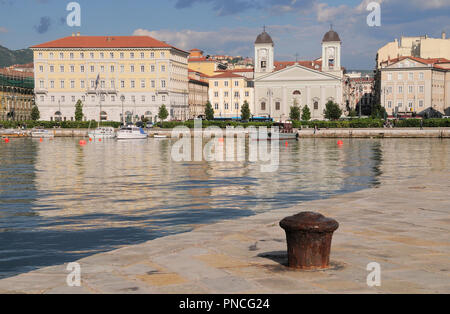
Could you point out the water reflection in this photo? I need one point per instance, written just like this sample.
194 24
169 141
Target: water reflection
60 201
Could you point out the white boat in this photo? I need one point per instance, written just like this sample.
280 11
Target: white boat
160 136
41 133
102 133
131 133
285 132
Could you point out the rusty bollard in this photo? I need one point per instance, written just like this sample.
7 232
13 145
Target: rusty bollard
309 238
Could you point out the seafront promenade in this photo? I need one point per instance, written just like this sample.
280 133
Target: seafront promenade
308 133
403 225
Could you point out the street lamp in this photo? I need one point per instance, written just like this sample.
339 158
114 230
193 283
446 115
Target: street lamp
122 98
360 100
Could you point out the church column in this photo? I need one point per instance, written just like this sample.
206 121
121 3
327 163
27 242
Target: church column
308 97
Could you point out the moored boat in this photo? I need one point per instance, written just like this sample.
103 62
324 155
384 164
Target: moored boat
284 131
131 133
41 133
102 133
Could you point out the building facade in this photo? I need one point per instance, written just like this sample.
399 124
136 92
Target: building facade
117 78
418 46
16 95
204 64
228 92
416 86
359 93
198 94
281 85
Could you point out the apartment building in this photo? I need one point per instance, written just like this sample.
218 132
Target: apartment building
228 92
411 86
198 93
117 78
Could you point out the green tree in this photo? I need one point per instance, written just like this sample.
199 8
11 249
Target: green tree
306 114
79 111
163 113
245 111
35 114
332 111
295 112
209 111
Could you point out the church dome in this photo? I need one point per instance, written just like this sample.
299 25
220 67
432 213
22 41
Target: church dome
264 38
331 35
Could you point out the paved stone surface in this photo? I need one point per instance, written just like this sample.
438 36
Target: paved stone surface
402 225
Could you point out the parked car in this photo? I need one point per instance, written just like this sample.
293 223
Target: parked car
149 125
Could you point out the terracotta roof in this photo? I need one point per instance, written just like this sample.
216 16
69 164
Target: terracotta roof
432 61
279 65
6 71
236 70
105 42
200 59
227 75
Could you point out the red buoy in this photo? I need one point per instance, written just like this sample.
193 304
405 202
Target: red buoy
340 143
82 142
41 140
99 139
6 140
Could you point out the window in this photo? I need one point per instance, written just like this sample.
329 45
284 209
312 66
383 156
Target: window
111 55
51 55
92 69
236 106
400 76
113 84
42 98
71 55
236 83
83 98
389 76
102 68
143 98
411 76
82 69
102 55
247 94
40 55
411 89
72 84
421 89
263 106
81 55
236 95
122 68
131 55
226 83
216 94
73 98
52 84
277 105
421 77
122 84
61 84
112 69
72 68
152 54
153 84
61 69
163 98
142 83
153 98
216 83
316 105
153 68
92 55
226 106
41 84
132 69
52 69
389 104
142 68
410 104
102 84
132 84
420 103
41 68
82 84
122 55
163 84
400 104
225 94
63 98
163 68
400 89
53 98
216 106
142 55
92 84
163 54
93 98
61 55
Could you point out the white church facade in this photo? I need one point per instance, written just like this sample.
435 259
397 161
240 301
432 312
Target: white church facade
280 85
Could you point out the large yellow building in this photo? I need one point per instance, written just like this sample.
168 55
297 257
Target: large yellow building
16 95
117 78
204 64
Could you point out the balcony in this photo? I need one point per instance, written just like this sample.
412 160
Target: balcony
40 91
102 91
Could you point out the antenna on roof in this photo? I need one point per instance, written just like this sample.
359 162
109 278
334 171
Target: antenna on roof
264 28
331 26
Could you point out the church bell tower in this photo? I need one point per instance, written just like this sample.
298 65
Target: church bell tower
264 54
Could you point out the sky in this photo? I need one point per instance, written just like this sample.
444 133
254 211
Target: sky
231 26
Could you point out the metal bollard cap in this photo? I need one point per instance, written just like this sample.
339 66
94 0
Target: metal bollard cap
309 222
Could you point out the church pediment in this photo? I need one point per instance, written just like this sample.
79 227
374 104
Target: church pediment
297 73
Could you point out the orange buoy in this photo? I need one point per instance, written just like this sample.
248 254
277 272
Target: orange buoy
221 140
6 140
99 139
82 142
90 139
287 144
41 140
340 143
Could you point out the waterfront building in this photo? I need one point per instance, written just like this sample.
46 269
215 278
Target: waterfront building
198 93
358 91
228 92
411 86
16 94
204 64
419 46
117 78
280 85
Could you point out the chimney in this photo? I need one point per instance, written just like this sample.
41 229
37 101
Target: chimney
444 35
78 34
73 34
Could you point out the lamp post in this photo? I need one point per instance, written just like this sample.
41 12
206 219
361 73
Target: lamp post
122 98
360 100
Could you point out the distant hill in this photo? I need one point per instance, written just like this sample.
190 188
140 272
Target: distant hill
10 57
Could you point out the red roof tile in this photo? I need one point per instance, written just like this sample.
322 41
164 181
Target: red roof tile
227 75
105 42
